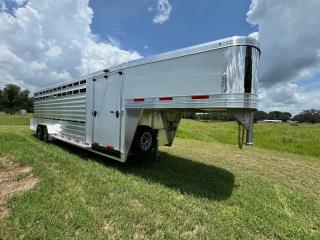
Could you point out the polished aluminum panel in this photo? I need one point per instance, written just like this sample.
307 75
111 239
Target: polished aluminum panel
234 70
62 108
255 70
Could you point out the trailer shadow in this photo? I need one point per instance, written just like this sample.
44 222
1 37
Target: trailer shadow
183 175
186 176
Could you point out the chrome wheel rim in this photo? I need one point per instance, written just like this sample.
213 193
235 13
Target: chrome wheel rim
146 141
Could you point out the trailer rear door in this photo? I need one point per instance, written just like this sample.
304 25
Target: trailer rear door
106 115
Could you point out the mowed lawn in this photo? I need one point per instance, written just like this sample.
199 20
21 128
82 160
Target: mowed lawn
203 187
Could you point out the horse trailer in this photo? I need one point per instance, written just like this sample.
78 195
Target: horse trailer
134 107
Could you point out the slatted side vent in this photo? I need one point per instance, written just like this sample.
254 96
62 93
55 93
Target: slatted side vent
61 91
66 103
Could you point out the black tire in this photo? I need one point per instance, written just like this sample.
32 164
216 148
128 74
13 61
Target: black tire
144 141
45 134
39 133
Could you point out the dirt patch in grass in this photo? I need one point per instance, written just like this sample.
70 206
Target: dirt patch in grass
14 178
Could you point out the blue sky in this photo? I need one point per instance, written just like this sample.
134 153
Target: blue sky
191 22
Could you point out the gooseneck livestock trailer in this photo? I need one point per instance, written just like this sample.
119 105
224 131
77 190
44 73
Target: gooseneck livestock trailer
136 106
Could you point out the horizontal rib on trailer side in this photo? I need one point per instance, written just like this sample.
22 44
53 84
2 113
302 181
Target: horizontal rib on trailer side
63 105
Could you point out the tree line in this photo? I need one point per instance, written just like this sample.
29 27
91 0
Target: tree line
307 116
13 99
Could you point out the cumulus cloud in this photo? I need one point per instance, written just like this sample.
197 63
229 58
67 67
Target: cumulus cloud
45 42
288 97
163 11
289 37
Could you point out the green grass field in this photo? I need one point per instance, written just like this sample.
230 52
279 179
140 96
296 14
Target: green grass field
203 187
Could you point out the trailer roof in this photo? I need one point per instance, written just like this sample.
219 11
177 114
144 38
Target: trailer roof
226 42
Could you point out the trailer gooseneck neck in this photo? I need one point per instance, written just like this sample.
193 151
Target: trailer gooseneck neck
113 112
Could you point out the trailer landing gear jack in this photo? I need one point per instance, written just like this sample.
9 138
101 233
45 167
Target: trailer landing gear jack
245 121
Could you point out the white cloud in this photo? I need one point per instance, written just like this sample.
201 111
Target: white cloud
288 97
255 35
289 37
163 11
114 42
3 6
44 42
20 2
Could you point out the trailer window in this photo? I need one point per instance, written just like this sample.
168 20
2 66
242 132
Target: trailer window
248 70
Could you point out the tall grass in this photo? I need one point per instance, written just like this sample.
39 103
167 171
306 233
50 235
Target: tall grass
17 119
300 139
202 188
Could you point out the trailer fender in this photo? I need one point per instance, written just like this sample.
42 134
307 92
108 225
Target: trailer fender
45 131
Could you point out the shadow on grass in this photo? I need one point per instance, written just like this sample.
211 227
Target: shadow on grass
181 174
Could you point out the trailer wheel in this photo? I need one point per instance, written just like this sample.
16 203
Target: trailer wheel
45 134
39 133
144 140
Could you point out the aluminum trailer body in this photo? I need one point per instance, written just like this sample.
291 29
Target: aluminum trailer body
136 106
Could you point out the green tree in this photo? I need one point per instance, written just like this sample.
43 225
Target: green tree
260 115
12 99
277 115
1 99
308 116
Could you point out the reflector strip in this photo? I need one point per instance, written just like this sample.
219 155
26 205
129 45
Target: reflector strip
200 97
166 98
138 100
